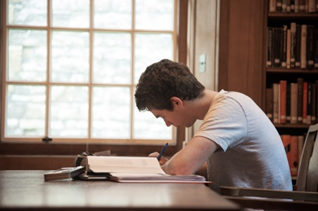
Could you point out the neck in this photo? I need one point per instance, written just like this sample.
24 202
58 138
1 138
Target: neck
199 107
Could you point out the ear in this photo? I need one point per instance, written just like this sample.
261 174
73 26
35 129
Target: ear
176 102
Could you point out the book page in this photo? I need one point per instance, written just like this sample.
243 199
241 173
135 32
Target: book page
122 164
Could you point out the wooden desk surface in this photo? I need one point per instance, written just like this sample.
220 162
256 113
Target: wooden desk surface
20 190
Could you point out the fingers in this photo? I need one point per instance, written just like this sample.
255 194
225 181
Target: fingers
162 160
154 154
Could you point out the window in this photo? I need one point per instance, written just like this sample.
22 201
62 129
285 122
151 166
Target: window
71 67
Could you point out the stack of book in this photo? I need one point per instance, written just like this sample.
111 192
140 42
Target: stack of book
293 103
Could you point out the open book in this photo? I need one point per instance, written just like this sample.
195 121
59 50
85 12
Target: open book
133 169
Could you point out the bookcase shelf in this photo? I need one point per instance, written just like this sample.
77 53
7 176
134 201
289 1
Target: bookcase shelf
294 16
291 71
300 126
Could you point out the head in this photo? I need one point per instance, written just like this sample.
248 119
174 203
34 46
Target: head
164 80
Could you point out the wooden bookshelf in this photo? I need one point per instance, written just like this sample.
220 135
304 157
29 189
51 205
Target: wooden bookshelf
274 74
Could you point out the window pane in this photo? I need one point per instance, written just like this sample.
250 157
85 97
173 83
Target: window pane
70 56
27 55
160 12
112 14
111 112
69 111
112 58
146 126
150 48
70 13
30 12
25 111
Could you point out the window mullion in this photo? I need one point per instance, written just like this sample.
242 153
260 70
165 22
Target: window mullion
91 58
48 69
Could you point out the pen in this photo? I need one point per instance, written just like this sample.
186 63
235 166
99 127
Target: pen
162 151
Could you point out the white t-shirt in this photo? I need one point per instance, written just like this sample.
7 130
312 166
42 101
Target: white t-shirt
251 153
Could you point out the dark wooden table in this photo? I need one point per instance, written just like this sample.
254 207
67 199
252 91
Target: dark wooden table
27 190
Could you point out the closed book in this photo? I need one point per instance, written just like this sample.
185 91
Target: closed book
309 103
282 101
286 139
284 5
316 48
288 117
305 92
269 103
279 5
292 5
288 5
313 104
302 5
288 50
300 83
284 46
311 6
275 102
297 45
300 146
270 56
296 3
277 47
272 5
292 44
303 47
310 47
293 102
293 156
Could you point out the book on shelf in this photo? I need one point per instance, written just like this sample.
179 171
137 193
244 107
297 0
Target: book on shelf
310 47
293 102
292 44
269 103
288 51
282 101
297 45
305 93
276 102
303 47
293 155
284 46
314 105
316 49
293 145
300 82
288 103
270 55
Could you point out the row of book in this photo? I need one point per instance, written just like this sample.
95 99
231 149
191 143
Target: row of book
293 147
308 6
292 103
294 46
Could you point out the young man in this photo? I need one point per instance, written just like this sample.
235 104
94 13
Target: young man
240 144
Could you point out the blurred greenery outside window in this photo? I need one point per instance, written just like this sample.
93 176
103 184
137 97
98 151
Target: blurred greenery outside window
71 68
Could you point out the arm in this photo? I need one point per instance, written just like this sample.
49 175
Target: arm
189 160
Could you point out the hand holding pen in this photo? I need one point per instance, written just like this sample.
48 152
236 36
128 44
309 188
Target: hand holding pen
162 151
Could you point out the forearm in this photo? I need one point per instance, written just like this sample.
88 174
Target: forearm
191 158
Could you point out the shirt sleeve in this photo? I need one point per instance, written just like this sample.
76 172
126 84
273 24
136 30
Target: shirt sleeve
225 123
